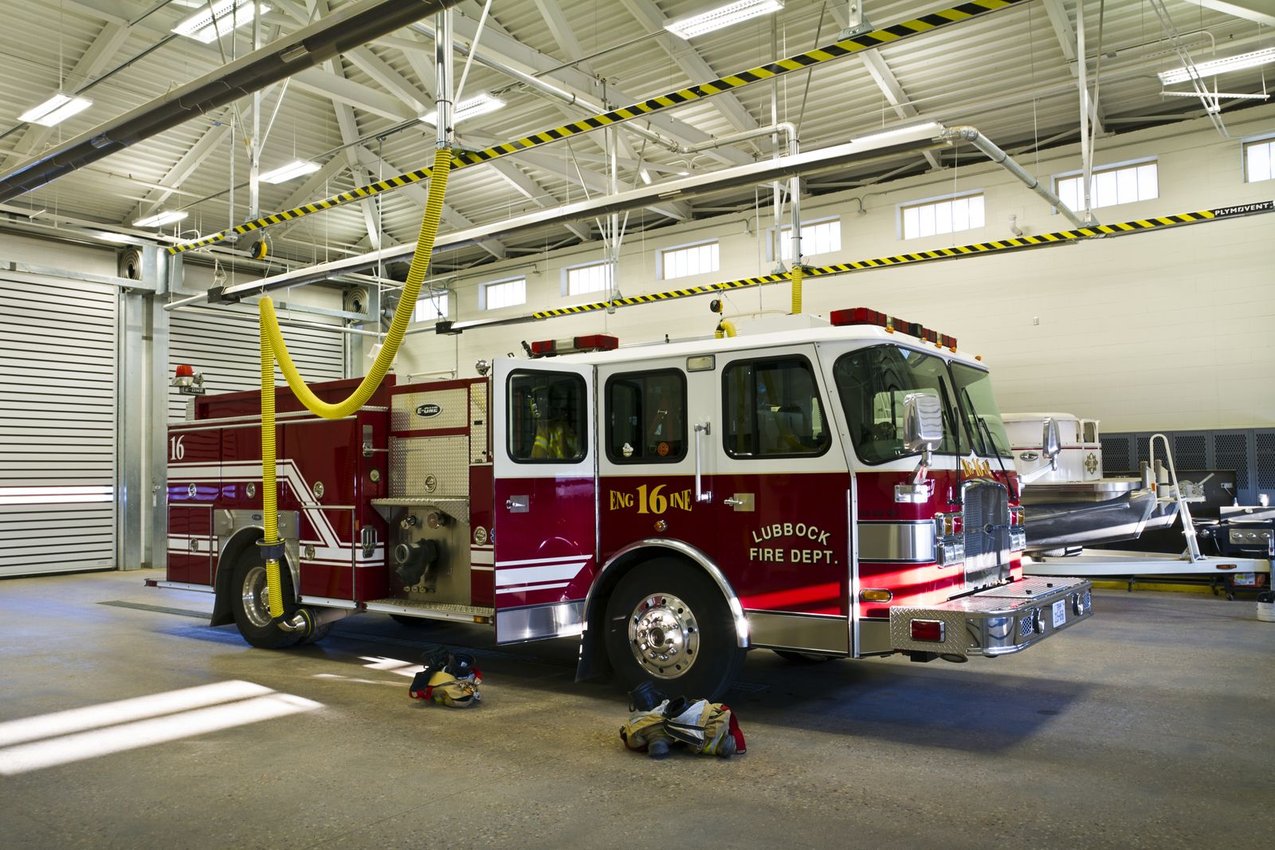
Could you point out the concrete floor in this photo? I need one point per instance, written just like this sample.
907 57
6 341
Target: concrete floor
1148 726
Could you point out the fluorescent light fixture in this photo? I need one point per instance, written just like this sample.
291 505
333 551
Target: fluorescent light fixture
55 110
1216 95
291 171
1220 66
480 105
118 238
723 16
207 25
908 133
161 219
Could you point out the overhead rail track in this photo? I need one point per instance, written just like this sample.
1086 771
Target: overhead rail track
798 62
1062 237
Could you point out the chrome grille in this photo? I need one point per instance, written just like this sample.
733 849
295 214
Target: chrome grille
986 506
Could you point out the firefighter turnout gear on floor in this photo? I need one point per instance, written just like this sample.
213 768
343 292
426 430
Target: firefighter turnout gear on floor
657 723
448 679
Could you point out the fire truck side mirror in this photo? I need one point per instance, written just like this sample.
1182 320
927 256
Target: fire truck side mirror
1051 443
922 422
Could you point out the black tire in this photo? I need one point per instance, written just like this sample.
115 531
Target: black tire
250 603
668 623
793 656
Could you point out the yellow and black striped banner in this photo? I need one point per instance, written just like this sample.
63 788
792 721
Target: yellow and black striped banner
1001 245
799 62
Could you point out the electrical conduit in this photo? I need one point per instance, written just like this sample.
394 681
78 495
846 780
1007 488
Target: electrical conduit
274 349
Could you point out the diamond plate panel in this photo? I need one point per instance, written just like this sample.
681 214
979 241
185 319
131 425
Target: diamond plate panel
429 466
452 403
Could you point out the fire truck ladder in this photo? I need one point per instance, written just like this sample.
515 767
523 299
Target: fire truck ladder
1188 525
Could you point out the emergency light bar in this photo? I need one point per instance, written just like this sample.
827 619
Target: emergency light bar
574 345
875 318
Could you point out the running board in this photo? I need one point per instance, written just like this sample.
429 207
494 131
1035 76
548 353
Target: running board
178 585
431 610
1110 562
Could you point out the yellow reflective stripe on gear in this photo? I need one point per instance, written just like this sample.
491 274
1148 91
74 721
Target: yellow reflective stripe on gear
801 61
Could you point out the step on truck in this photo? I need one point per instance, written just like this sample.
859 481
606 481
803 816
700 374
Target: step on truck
839 487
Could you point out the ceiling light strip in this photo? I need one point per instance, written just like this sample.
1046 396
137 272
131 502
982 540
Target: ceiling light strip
799 62
1058 238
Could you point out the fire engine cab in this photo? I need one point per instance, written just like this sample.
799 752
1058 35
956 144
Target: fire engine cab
836 488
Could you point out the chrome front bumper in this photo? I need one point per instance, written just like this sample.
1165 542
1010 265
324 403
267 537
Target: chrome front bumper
997 621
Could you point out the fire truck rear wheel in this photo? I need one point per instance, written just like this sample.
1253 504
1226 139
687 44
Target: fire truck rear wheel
251 605
669 623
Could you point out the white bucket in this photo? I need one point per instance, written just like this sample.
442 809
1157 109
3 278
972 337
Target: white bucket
1266 612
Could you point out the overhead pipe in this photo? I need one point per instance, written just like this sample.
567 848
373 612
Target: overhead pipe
652 105
998 156
789 130
907 138
344 29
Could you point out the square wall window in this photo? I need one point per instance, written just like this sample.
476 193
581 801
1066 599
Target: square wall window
592 277
1257 161
689 260
1124 184
819 237
431 306
949 215
502 293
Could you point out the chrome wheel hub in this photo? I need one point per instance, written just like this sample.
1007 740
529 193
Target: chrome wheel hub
256 599
663 636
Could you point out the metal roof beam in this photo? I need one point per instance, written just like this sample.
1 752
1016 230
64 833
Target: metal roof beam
183 168
349 27
690 61
95 60
881 74
561 31
340 90
502 49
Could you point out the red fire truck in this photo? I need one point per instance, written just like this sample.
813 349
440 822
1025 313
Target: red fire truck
823 488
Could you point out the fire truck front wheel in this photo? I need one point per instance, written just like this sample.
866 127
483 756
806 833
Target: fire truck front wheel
251 606
669 623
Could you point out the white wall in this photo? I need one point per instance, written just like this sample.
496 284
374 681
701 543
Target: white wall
1171 329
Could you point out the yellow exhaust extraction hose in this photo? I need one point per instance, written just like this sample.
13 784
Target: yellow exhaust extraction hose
273 348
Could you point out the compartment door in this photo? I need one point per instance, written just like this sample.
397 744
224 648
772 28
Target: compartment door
544 514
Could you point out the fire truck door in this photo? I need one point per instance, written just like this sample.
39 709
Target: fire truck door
545 497
779 499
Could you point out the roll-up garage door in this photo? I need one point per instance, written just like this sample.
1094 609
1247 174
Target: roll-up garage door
223 345
57 426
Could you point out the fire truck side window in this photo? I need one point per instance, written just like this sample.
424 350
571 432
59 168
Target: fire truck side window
772 409
646 417
873 382
547 417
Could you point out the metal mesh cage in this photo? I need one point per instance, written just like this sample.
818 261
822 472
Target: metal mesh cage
1230 451
1265 457
1190 451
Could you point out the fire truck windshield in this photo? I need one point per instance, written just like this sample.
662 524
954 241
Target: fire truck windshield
974 387
873 382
